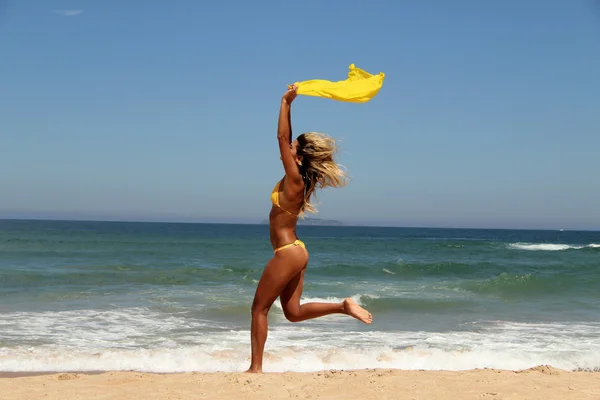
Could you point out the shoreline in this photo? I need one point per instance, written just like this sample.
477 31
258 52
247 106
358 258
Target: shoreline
543 368
541 382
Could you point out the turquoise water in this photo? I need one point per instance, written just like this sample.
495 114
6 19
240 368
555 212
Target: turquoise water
176 297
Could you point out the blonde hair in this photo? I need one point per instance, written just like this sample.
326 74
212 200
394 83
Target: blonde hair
318 167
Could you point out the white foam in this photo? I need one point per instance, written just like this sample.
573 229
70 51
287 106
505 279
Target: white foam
549 246
196 358
103 329
144 344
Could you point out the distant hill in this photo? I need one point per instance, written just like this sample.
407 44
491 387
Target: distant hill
314 221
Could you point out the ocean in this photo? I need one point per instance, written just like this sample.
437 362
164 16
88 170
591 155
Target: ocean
174 297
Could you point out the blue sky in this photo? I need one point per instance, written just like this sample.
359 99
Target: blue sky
488 117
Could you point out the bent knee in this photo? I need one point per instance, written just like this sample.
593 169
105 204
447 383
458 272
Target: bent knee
292 315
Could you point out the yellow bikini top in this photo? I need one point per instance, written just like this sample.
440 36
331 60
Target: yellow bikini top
275 199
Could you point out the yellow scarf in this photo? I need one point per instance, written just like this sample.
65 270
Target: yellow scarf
360 87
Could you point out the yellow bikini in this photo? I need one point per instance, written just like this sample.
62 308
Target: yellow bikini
275 201
296 242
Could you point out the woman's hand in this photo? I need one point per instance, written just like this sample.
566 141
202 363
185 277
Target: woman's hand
290 95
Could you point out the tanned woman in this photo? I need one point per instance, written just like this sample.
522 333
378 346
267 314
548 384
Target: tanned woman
308 163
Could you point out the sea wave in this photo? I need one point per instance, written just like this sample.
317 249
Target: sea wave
535 284
406 270
500 344
94 277
551 246
108 275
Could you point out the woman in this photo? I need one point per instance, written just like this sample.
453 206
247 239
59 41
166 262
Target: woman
308 163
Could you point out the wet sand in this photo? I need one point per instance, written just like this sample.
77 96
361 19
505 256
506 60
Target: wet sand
541 382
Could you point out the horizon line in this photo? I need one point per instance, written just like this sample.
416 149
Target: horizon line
343 224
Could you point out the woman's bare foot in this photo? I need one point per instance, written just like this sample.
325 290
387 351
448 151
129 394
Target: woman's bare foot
254 371
352 308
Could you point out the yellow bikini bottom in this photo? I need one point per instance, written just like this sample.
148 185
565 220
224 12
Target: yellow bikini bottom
296 242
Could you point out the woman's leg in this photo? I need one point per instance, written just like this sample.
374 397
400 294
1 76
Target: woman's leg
277 274
294 312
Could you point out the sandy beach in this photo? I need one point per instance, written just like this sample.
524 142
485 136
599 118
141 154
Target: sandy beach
541 382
